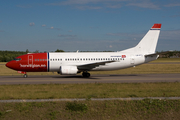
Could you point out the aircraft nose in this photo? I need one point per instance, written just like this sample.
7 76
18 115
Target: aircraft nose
8 65
12 65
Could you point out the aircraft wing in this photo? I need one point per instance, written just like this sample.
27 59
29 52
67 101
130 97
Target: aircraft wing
92 65
160 53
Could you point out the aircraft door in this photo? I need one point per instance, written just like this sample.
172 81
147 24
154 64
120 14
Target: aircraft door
30 59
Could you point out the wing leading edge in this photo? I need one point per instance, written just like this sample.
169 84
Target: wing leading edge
92 65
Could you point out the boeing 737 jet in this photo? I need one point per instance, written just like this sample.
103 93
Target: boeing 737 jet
71 63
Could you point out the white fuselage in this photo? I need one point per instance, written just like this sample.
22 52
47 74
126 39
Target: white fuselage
122 60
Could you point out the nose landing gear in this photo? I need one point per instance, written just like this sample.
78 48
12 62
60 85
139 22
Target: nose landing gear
25 76
22 72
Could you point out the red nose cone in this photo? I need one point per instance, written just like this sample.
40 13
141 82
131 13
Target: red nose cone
8 65
11 65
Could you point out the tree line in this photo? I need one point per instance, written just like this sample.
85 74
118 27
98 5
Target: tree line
6 56
171 54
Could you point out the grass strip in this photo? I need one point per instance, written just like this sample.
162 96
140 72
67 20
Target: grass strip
167 60
93 90
147 109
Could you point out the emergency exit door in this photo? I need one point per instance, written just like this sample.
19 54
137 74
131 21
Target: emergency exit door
30 59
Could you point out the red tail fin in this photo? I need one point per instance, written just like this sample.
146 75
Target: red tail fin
156 26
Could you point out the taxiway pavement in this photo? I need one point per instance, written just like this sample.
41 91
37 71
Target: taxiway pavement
78 79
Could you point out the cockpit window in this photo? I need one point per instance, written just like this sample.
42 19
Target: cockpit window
17 59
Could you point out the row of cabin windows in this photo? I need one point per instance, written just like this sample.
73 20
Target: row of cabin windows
40 59
87 59
81 59
48 59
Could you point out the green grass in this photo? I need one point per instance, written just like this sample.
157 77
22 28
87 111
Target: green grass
167 60
98 110
112 110
94 90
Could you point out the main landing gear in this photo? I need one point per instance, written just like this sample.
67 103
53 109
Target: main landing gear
86 74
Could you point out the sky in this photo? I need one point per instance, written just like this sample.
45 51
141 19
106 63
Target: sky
86 25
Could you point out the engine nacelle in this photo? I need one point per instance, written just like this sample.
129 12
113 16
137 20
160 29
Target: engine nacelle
68 70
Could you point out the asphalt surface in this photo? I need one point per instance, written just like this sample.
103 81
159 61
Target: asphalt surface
78 79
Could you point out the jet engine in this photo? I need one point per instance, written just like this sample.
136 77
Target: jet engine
68 70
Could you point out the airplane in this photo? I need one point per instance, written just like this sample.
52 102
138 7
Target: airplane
71 63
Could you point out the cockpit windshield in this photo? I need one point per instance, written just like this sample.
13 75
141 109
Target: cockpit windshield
17 59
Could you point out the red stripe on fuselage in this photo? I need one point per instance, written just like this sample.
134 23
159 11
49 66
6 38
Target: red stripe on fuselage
35 62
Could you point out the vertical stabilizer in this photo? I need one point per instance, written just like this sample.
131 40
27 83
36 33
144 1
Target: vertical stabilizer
148 43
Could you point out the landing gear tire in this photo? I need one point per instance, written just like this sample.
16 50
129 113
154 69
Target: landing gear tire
25 76
86 74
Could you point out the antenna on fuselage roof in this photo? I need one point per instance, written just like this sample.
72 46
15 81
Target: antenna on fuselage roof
77 51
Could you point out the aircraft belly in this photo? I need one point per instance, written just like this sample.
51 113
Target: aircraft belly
55 66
